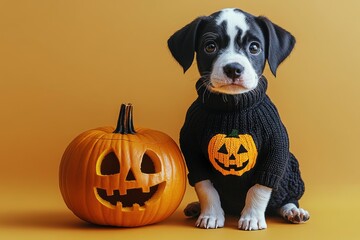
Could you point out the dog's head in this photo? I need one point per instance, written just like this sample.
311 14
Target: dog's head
231 48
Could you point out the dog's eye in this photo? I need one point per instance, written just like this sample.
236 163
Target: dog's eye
210 48
254 48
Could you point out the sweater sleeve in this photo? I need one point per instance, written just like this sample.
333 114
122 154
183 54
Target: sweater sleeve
275 156
196 162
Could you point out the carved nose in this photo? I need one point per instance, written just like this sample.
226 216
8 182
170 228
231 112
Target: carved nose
233 70
232 157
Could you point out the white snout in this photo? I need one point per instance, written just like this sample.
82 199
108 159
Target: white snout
220 82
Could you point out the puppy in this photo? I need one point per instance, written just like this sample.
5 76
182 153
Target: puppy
234 143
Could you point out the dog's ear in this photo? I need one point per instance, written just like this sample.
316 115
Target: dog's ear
182 44
279 43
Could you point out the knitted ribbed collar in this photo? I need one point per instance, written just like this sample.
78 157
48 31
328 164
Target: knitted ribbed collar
225 102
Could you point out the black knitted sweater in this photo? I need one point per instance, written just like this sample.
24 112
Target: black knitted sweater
237 141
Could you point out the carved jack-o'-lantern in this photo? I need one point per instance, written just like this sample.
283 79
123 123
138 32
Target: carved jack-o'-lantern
123 177
232 154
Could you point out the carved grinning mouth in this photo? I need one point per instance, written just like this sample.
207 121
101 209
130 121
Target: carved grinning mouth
131 198
232 166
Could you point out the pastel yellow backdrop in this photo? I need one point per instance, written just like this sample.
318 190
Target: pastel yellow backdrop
66 66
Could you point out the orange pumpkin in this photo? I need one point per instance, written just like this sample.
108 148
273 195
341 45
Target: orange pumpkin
232 154
124 177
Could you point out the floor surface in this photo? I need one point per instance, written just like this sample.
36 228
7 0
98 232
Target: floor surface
44 216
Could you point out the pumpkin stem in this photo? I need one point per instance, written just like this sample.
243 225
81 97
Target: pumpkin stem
125 121
234 134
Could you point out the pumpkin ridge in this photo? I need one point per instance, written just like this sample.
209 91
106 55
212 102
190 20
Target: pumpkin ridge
95 150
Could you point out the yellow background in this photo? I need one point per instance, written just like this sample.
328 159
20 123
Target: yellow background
66 66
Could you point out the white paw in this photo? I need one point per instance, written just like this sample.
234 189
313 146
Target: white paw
294 214
210 220
252 220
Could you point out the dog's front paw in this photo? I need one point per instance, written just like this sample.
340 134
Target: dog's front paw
252 220
210 220
294 214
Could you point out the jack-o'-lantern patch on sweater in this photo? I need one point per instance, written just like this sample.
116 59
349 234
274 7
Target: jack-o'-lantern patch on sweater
232 154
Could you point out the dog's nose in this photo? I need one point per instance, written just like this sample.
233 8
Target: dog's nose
233 70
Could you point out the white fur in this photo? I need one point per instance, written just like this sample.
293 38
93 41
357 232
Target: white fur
248 79
212 215
253 214
221 83
235 19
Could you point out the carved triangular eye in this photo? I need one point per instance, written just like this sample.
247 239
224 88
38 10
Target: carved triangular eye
110 164
147 165
150 163
242 150
223 149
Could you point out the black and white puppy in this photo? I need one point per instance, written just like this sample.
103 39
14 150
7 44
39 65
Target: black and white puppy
232 48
